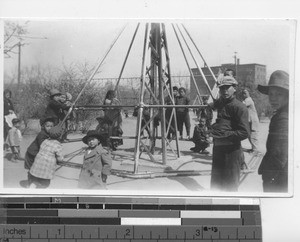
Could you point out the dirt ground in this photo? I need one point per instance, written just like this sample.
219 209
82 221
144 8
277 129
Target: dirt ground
67 177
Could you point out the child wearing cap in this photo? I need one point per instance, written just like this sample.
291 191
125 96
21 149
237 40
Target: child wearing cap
14 139
43 168
274 165
96 163
230 128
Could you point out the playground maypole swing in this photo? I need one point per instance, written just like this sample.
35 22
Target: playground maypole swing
155 84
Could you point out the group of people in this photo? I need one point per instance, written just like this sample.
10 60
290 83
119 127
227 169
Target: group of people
46 150
233 124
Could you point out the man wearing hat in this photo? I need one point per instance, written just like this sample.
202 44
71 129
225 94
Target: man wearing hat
230 128
274 166
96 163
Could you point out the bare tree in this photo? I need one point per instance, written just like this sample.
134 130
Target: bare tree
13 36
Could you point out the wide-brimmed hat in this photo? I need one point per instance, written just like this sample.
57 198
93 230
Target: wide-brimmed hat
54 92
277 79
92 133
47 119
55 132
227 81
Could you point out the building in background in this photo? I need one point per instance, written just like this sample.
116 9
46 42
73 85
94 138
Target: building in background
246 74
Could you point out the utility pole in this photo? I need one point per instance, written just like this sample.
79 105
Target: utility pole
19 64
235 63
19 53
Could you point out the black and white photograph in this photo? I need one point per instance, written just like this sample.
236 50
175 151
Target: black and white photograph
156 107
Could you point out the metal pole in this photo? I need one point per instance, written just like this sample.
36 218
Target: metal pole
171 89
161 96
199 68
19 64
92 75
140 114
193 77
211 72
129 49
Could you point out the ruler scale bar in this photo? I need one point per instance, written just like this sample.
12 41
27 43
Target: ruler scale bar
112 219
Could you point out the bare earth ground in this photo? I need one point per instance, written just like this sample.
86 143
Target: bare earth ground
67 177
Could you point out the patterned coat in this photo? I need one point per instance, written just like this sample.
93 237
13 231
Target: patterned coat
96 163
44 165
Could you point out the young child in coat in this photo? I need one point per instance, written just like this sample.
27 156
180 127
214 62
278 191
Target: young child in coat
14 139
200 137
96 163
43 168
34 147
274 165
46 124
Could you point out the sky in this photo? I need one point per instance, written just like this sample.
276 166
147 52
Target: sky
69 42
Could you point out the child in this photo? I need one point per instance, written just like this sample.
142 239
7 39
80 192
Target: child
206 112
114 115
33 149
182 114
55 107
44 165
200 137
103 130
14 139
274 166
96 163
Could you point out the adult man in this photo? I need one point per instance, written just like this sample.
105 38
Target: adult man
230 129
253 120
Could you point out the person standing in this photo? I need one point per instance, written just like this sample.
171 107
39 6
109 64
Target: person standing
14 139
168 101
274 165
96 163
115 117
182 114
8 110
253 120
230 128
